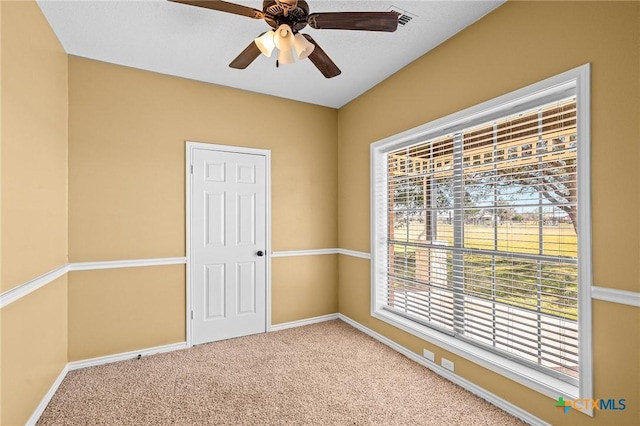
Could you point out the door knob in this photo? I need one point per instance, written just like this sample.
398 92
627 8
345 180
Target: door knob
260 253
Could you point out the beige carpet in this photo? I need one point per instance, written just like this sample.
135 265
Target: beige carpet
322 374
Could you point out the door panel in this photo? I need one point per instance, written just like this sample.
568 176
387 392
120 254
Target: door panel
228 226
214 217
246 288
246 210
214 291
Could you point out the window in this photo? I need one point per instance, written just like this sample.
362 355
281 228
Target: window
481 233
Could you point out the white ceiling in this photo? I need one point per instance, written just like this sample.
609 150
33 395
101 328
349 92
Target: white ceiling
198 44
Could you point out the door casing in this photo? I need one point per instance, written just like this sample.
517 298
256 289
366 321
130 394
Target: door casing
190 146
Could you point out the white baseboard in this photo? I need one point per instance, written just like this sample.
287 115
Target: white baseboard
510 408
92 362
300 323
471 387
75 365
47 397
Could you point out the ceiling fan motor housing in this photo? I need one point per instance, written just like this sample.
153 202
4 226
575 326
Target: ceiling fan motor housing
291 12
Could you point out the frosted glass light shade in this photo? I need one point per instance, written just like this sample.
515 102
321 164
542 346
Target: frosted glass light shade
283 37
266 43
285 56
303 46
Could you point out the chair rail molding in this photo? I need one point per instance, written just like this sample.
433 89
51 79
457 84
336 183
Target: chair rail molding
623 297
30 286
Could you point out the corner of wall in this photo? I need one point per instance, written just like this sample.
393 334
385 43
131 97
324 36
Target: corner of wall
33 207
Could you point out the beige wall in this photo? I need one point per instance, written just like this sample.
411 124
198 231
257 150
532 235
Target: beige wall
34 146
34 335
113 311
33 206
518 44
307 287
127 197
127 133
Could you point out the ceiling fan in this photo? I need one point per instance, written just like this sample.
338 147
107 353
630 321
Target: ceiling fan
287 18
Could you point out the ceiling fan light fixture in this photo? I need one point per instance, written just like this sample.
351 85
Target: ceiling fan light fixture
283 37
285 56
266 43
290 16
303 46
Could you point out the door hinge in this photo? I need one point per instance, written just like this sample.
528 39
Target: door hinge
191 315
191 169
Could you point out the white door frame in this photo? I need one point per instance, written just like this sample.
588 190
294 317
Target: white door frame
190 146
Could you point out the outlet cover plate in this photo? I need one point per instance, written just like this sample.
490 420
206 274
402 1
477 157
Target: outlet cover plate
429 355
447 364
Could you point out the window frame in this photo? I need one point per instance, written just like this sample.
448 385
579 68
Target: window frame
576 80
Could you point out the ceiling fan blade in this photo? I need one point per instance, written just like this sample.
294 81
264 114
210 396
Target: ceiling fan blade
245 58
321 60
364 21
224 6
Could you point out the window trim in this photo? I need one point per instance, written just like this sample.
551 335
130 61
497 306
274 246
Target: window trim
578 80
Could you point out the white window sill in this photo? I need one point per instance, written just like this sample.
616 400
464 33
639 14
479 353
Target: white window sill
529 377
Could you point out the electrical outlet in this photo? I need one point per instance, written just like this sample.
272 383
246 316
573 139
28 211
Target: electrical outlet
447 364
428 355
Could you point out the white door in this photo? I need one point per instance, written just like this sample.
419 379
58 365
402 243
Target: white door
228 245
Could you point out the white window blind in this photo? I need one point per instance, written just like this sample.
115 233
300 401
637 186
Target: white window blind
481 235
